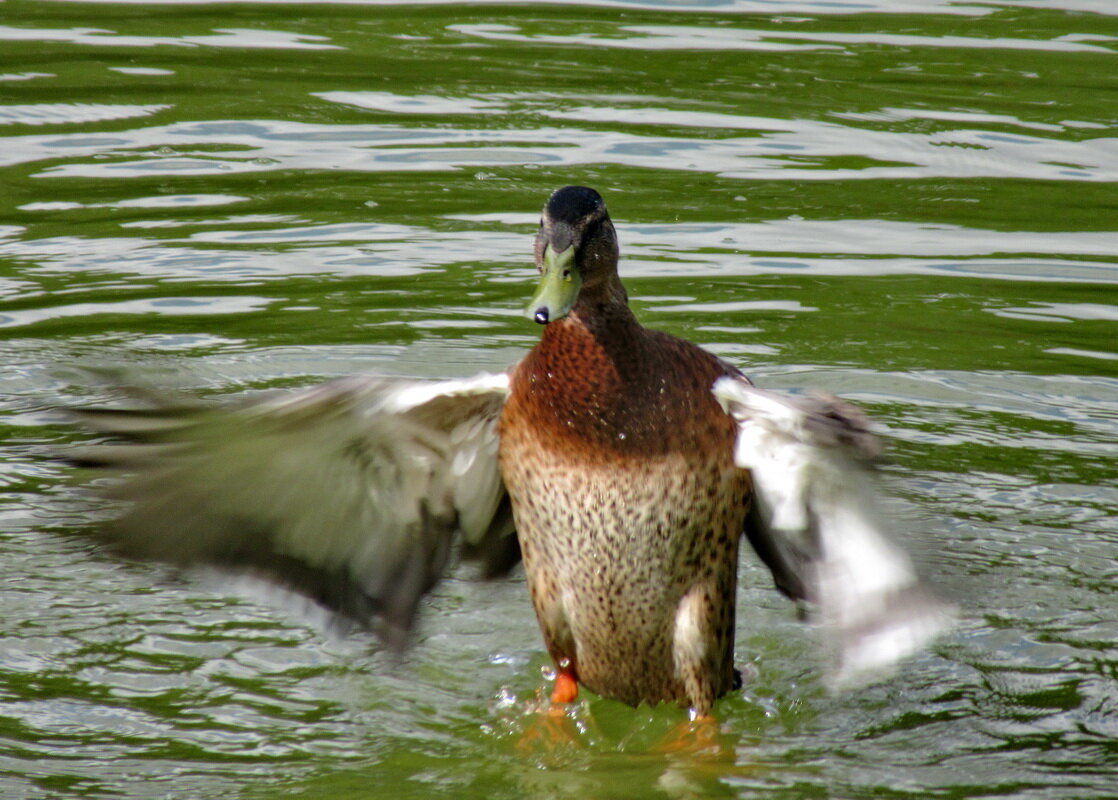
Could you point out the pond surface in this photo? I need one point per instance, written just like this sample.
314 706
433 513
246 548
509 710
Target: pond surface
909 203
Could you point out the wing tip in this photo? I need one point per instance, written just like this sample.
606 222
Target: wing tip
901 625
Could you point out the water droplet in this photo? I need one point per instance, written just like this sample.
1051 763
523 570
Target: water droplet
506 698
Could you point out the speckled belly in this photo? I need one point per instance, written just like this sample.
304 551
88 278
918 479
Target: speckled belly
612 548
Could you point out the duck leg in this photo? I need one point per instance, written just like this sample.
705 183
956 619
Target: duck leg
700 648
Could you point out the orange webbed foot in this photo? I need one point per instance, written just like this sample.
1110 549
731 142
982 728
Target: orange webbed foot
554 727
566 686
548 733
699 736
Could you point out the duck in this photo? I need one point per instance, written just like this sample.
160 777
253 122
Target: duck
622 466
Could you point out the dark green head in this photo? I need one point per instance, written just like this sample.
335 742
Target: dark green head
576 250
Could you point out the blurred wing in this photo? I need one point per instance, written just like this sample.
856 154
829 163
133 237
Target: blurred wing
350 492
817 525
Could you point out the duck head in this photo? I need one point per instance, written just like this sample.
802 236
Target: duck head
576 253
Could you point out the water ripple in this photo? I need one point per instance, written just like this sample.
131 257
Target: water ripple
778 153
72 113
222 37
677 37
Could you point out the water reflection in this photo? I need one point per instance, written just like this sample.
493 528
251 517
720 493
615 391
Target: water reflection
164 305
692 38
786 150
72 113
222 37
817 247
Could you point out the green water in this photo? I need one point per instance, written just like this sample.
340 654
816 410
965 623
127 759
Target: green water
909 203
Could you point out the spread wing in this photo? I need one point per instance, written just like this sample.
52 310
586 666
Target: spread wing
817 525
350 492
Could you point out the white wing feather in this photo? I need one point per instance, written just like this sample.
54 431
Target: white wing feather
822 527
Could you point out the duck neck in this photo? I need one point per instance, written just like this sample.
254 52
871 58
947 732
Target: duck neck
604 301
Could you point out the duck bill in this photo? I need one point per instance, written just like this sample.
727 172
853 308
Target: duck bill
558 289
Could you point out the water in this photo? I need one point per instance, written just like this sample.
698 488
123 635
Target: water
909 203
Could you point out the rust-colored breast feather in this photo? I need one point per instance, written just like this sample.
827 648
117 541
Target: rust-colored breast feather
619 390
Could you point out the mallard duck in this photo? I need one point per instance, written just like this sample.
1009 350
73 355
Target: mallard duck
624 465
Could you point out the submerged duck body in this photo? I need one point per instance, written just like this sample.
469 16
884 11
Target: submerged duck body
629 459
